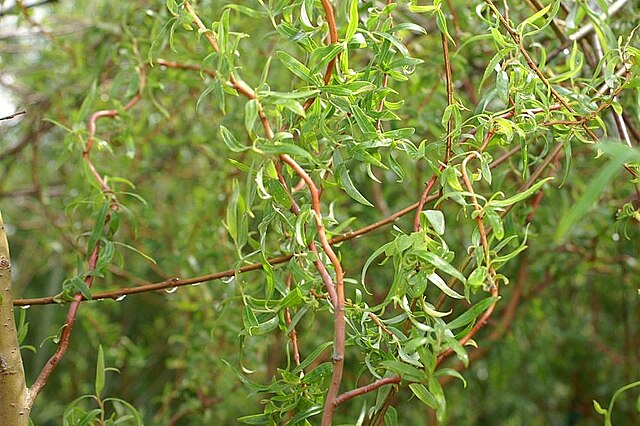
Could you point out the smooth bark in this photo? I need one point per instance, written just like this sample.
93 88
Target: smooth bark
13 391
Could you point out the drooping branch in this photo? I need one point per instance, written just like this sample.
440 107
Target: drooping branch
556 95
92 260
339 322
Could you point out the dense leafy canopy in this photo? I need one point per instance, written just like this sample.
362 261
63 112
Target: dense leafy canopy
376 180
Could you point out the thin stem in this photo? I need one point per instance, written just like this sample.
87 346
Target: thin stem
14 115
92 261
176 282
476 206
518 41
343 397
293 334
333 38
70 321
450 99
339 323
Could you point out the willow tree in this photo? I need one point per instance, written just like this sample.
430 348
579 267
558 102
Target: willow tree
378 196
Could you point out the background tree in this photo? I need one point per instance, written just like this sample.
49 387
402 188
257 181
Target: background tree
294 212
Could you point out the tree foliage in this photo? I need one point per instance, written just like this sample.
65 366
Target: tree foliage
305 211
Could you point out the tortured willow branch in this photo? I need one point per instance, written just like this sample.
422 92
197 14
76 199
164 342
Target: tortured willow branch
339 322
92 260
177 282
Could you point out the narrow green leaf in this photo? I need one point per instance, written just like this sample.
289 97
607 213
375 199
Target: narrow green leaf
322 55
438 393
250 116
314 410
345 181
353 21
436 219
406 371
593 191
373 257
230 141
312 357
471 314
83 112
439 263
521 196
98 227
496 223
293 65
364 123
478 277
401 48
422 9
100 372
451 372
439 282
279 148
255 419
423 395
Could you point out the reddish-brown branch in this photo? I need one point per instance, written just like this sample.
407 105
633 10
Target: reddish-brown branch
481 322
339 324
485 245
423 199
293 334
72 314
239 85
173 64
339 321
333 38
324 274
376 319
449 142
366 389
92 261
91 127
176 282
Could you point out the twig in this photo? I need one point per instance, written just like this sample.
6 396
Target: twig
293 334
333 38
517 40
173 64
450 99
476 206
176 282
25 6
366 389
92 261
423 199
339 323
15 114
